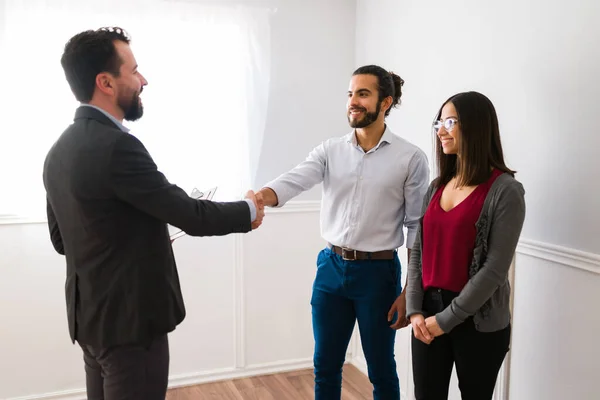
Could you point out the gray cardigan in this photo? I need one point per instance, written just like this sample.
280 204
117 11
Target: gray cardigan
486 295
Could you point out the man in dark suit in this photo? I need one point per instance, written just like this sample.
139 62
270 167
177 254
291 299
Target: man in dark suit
108 207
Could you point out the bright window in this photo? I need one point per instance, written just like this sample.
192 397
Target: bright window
207 69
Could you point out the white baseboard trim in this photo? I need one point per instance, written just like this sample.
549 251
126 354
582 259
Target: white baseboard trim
561 255
236 373
194 378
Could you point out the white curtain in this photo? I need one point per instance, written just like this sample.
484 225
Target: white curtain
204 107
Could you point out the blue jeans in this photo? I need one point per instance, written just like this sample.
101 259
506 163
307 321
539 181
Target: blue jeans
343 292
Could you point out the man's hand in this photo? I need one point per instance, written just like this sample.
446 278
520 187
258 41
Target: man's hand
258 201
433 327
399 307
260 210
420 328
269 196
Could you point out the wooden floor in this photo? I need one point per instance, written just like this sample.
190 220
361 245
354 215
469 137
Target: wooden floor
297 385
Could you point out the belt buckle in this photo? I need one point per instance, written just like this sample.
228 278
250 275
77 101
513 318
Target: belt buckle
345 251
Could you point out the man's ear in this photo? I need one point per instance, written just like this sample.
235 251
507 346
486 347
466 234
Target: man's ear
105 83
386 104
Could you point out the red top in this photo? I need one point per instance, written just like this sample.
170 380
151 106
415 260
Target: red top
449 238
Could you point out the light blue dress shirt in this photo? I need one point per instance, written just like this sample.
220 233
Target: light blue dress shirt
367 197
126 130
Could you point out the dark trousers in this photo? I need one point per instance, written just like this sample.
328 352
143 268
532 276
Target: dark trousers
131 372
478 356
343 292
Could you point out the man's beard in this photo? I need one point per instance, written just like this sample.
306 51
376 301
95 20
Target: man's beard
133 109
367 120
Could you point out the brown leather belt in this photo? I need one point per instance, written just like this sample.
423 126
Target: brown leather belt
352 255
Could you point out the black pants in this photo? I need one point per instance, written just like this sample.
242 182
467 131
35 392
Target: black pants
478 356
132 372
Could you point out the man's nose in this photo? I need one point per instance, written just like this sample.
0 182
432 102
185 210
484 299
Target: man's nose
352 103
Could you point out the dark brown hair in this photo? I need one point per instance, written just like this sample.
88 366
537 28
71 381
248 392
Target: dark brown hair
480 147
88 54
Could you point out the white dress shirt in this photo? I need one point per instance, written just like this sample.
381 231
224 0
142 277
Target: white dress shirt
367 197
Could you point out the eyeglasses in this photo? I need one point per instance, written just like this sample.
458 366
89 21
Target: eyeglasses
448 124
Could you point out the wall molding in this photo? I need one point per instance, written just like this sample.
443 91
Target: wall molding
239 317
6 219
301 206
561 255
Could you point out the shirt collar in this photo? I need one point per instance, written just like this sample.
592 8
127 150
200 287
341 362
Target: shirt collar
112 118
387 137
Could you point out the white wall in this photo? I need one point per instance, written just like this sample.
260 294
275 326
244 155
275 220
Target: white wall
538 62
555 352
313 51
233 286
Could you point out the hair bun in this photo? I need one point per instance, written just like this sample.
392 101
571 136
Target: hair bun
398 83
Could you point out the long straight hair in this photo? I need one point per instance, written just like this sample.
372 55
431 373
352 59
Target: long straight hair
480 147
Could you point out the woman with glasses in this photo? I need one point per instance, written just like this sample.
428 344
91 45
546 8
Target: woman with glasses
458 290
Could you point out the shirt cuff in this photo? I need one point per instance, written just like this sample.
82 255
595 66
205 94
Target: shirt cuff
252 209
283 196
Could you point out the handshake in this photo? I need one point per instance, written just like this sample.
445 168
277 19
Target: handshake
259 202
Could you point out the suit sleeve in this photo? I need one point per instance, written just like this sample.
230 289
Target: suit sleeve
55 236
135 179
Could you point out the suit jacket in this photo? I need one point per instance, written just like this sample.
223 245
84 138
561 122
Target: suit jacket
108 207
